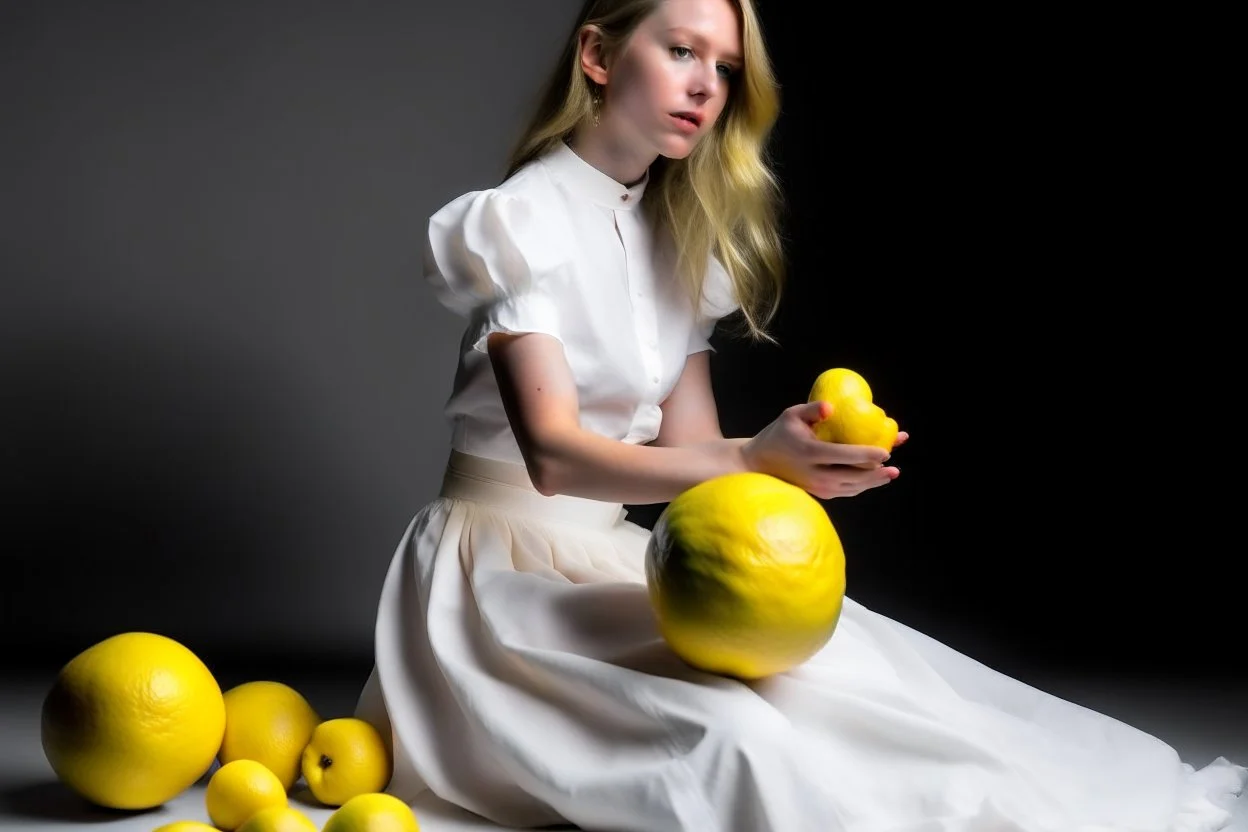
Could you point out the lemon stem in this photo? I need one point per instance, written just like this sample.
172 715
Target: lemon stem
325 761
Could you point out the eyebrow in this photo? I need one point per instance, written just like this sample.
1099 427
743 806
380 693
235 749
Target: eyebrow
701 41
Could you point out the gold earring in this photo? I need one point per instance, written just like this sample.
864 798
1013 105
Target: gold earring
596 106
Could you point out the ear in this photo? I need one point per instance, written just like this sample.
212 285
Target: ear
593 64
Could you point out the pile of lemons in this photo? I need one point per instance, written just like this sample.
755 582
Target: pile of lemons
138 718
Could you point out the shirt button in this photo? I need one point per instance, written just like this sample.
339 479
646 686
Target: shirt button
624 198
654 379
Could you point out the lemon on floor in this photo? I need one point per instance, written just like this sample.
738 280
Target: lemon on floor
132 721
238 790
269 722
345 757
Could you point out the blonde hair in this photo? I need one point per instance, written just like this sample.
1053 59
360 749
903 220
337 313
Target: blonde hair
723 199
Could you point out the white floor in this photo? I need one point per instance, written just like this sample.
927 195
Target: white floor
1201 720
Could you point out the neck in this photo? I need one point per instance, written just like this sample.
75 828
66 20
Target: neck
607 153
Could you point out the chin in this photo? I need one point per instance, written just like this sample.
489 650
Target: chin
678 148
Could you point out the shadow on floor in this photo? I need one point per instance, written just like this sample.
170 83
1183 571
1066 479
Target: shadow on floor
51 800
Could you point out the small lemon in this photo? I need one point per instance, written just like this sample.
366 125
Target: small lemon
346 757
268 722
856 421
838 383
186 826
746 575
855 418
373 812
279 819
238 790
132 721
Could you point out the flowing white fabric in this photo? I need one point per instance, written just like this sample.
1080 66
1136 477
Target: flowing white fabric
520 674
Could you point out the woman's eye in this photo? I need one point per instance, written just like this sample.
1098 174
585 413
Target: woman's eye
725 71
681 51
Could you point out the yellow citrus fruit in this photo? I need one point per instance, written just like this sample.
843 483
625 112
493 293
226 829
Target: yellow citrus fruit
374 812
346 757
858 422
746 574
186 826
279 819
268 722
238 790
838 383
132 721
855 418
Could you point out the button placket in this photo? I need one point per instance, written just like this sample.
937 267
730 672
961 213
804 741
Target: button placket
644 317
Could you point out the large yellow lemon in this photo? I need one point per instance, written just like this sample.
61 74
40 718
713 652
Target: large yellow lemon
186 826
132 721
855 418
378 812
269 722
746 575
240 789
345 758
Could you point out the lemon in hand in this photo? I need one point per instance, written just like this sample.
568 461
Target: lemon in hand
346 757
746 575
855 418
238 790
840 383
374 812
132 721
268 722
855 421
279 819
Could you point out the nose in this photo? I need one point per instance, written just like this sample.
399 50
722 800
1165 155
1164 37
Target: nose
705 82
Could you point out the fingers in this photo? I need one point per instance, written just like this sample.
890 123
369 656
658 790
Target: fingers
813 412
834 482
832 453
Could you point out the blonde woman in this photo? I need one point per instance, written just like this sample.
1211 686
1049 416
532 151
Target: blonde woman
518 671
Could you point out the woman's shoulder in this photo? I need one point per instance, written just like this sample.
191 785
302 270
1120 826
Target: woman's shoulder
528 188
495 240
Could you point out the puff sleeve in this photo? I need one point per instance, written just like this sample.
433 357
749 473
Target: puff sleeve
718 301
492 258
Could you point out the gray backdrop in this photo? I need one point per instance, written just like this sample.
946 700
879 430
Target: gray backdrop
222 377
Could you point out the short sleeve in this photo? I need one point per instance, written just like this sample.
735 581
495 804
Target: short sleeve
718 301
491 257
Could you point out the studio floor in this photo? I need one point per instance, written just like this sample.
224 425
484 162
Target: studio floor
1202 719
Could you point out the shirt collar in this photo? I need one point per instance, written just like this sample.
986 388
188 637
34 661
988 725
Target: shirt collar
586 180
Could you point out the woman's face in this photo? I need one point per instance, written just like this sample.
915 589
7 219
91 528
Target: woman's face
669 84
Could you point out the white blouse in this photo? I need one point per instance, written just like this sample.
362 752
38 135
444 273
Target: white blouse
561 248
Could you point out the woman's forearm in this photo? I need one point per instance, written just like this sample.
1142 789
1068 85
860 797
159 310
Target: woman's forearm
583 464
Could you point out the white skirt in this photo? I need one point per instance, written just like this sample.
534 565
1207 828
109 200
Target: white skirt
519 673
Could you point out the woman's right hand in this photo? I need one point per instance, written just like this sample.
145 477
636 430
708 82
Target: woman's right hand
789 450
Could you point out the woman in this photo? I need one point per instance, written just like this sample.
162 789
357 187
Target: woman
519 670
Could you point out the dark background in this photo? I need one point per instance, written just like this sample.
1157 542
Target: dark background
222 376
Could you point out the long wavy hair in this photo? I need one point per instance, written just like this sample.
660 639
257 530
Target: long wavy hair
723 198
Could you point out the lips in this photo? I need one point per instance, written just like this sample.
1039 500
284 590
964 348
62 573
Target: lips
692 118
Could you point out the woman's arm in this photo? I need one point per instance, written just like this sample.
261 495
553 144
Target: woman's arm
539 395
